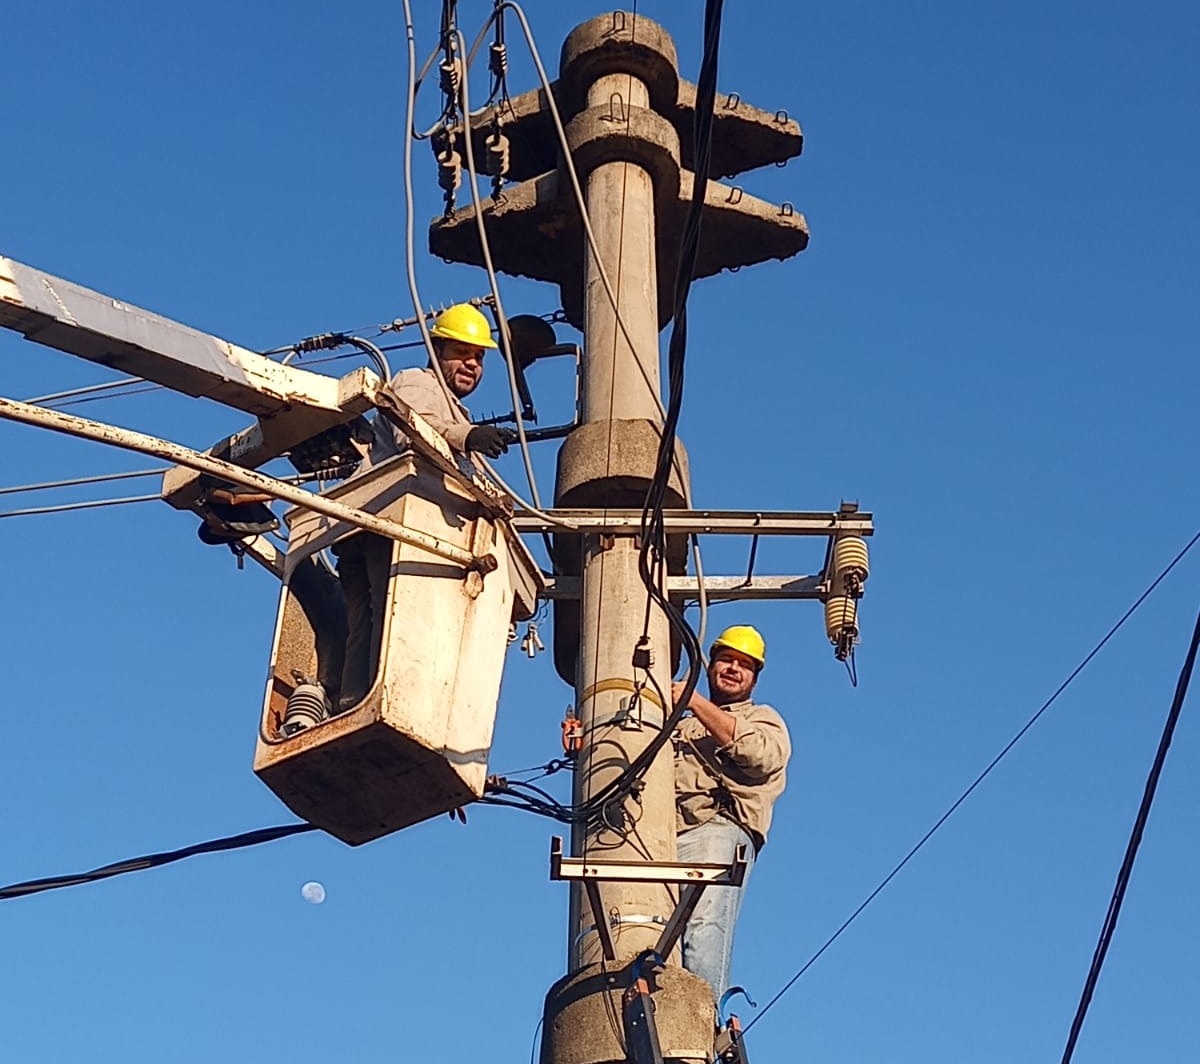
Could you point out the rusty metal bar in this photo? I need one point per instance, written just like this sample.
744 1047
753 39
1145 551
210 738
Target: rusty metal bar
69 424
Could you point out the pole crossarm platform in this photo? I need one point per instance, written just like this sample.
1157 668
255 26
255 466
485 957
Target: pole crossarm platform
702 522
534 231
744 136
647 120
691 878
99 328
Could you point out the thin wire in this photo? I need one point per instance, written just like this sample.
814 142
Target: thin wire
101 479
493 282
577 189
411 264
68 506
980 778
154 860
41 400
1135 840
536 1031
99 398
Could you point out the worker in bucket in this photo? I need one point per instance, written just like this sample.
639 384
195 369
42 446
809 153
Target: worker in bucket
461 336
731 757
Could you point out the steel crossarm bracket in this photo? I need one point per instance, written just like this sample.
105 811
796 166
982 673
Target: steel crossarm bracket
846 521
716 588
669 872
693 878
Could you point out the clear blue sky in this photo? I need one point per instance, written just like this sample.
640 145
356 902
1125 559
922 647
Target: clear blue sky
990 342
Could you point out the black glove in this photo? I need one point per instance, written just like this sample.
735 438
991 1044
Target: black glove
489 440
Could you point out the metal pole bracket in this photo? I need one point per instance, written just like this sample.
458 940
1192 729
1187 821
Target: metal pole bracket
692 878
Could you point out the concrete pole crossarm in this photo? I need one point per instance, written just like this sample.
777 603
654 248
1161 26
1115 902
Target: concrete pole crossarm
71 318
112 435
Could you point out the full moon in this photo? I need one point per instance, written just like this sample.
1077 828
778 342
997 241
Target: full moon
313 893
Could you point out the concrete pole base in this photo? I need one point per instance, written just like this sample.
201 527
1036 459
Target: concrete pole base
583 1017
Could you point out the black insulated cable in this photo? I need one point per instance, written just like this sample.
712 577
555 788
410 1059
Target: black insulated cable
153 860
1135 840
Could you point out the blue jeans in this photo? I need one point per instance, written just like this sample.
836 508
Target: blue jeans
707 941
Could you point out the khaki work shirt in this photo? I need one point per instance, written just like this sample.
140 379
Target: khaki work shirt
422 391
741 780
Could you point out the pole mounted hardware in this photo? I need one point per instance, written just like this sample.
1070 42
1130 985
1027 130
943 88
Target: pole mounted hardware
637 1011
729 1048
691 878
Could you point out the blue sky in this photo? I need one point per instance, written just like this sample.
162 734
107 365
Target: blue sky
990 342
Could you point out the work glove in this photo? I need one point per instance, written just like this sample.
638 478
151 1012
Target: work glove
489 440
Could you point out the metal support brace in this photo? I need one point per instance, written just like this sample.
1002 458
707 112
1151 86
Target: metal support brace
637 1007
692 878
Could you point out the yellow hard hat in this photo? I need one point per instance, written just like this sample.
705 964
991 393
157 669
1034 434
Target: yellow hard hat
463 322
743 639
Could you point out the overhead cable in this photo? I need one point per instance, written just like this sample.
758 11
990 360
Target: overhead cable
91 504
1135 840
410 243
90 389
153 860
493 282
980 778
156 860
100 479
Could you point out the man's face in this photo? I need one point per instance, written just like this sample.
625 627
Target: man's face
462 366
731 676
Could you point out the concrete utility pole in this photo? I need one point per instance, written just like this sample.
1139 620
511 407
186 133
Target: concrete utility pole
628 122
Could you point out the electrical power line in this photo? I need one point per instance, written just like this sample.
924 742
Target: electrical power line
101 478
978 779
154 860
93 504
1135 840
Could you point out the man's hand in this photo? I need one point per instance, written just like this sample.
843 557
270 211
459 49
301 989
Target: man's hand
719 723
677 692
489 440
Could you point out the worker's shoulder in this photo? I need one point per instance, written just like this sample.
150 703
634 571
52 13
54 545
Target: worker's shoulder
413 380
760 711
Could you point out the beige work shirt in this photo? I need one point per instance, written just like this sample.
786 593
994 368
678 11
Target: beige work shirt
740 780
422 391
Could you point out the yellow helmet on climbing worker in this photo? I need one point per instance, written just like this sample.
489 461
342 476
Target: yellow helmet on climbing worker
464 323
745 640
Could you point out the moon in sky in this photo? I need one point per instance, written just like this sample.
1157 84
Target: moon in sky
313 893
